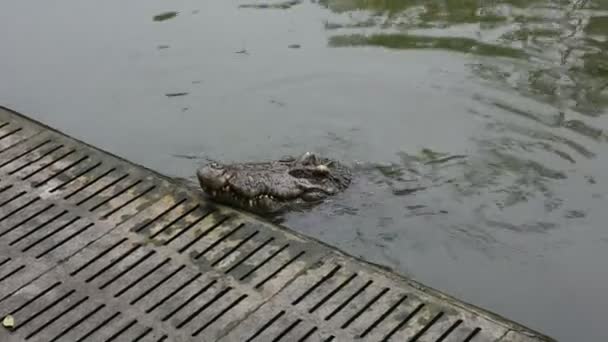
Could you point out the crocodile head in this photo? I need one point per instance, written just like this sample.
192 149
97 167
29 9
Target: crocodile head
274 186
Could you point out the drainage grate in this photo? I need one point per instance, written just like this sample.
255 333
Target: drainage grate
93 248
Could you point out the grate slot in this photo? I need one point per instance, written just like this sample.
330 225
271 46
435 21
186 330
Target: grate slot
249 255
332 293
187 228
280 269
203 307
9 200
317 284
266 260
159 216
449 331
266 326
14 142
36 228
118 193
121 331
131 200
142 277
308 334
173 293
113 262
235 248
21 207
365 307
402 323
427 326
4 261
187 301
287 330
37 159
9 133
65 240
77 176
218 241
157 284
104 188
348 300
12 273
164 227
472 335
97 257
45 309
203 234
24 153
27 219
35 298
6 187
88 184
103 323
383 316
219 315
78 322
142 335
127 269
64 169
49 234
55 318
31 174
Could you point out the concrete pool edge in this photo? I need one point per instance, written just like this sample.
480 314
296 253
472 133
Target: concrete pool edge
434 300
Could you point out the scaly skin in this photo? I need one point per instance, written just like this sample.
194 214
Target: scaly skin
274 186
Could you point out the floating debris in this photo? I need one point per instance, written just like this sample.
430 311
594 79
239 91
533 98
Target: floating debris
185 156
162 47
278 103
294 46
165 16
8 322
175 94
244 51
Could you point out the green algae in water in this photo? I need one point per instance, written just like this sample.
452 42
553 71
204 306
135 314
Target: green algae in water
165 16
405 41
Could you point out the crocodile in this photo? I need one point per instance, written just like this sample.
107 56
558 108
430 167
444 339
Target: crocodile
271 187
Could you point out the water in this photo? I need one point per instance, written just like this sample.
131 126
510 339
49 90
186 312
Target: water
477 128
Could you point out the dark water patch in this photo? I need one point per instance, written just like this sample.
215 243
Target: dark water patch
176 94
165 16
534 227
574 214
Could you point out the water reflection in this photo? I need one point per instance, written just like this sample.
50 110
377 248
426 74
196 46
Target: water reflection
565 43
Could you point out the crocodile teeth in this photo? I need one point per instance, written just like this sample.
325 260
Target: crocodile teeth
213 193
251 203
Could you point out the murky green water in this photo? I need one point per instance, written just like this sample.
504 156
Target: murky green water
477 128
